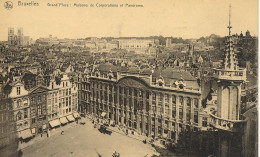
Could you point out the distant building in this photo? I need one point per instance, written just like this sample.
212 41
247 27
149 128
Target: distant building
135 44
168 42
11 36
19 38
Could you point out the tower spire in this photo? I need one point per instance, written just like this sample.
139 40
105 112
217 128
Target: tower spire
229 21
230 60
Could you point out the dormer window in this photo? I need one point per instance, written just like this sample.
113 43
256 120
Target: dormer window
181 86
18 90
160 83
175 84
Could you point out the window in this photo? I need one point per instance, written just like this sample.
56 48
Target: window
147 95
160 97
173 100
18 89
204 122
135 92
166 98
39 98
19 116
167 110
52 85
141 94
173 111
33 120
196 103
154 97
181 113
25 113
188 115
188 102
181 100
196 116
39 109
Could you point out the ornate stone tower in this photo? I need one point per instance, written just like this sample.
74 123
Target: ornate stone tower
229 78
227 120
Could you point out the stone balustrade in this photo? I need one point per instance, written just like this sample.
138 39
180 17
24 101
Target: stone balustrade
226 124
236 75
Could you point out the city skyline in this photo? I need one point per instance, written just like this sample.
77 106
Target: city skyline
176 19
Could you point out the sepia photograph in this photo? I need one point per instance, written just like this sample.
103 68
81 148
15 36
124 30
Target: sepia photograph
129 78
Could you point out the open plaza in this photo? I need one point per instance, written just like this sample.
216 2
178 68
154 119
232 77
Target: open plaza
85 140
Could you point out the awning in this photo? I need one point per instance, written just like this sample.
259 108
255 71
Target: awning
26 134
103 114
63 120
54 123
70 118
76 115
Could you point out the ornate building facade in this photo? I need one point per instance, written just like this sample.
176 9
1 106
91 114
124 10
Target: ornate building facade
159 103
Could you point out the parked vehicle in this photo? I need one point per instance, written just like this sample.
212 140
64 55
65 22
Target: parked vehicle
103 129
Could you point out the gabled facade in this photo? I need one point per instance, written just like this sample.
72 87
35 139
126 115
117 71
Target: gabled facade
38 108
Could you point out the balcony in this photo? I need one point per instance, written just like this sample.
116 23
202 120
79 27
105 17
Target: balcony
235 75
225 124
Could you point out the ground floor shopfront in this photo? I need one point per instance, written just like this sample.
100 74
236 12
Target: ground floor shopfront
148 124
63 120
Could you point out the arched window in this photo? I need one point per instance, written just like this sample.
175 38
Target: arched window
19 116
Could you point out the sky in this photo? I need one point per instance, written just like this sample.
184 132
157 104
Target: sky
177 18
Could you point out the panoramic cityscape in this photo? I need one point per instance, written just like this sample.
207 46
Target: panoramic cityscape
135 96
